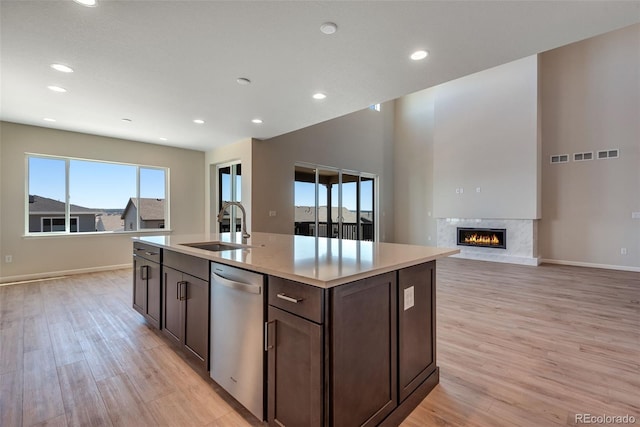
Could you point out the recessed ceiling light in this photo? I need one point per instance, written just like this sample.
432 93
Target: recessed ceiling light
127 120
88 3
57 89
328 28
319 95
162 138
257 121
63 68
198 121
47 119
243 81
419 54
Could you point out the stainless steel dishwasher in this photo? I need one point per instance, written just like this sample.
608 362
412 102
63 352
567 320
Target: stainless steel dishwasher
237 319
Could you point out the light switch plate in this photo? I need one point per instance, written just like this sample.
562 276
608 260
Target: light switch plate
635 215
409 298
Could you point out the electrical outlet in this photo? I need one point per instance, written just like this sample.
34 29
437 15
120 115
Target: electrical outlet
623 251
272 213
635 215
478 189
8 259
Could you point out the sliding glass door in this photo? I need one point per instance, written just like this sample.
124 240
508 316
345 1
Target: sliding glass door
334 203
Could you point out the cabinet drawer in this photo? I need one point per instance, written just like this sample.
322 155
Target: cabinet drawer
194 266
149 252
297 298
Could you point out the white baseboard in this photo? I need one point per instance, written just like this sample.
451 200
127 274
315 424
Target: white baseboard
11 280
591 265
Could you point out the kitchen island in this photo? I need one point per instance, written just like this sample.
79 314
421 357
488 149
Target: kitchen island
349 326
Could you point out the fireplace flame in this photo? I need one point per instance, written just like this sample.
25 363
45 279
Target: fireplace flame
477 239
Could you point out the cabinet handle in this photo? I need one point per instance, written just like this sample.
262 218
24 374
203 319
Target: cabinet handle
267 347
182 290
288 298
144 272
151 253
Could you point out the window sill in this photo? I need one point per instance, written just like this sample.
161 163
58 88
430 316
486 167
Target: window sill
52 235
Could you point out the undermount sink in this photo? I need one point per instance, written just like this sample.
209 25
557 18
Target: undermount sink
216 246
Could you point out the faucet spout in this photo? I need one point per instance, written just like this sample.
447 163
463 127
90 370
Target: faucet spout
225 206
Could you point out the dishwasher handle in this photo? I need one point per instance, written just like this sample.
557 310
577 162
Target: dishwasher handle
244 287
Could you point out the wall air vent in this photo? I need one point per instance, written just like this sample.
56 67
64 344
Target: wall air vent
581 157
560 158
608 154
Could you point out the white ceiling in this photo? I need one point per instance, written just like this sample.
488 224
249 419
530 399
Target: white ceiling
164 63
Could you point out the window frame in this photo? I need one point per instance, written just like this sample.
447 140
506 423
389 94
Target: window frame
67 215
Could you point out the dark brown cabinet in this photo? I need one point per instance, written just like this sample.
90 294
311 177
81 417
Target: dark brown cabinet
416 326
186 306
358 354
363 343
294 377
147 282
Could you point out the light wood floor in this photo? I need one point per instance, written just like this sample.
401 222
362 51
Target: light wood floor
517 346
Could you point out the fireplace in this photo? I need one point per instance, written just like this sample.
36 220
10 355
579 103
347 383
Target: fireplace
483 237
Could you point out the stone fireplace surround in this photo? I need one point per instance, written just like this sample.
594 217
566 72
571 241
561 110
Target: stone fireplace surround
522 239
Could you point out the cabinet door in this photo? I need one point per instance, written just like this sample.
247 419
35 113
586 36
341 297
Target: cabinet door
172 313
416 327
294 373
139 284
196 312
364 351
154 282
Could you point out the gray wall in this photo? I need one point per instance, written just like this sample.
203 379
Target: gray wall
591 100
37 256
361 141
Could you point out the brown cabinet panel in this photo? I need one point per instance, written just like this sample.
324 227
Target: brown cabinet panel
297 298
173 308
139 284
146 288
192 265
295 375
196 316
416 326
154 291
363 346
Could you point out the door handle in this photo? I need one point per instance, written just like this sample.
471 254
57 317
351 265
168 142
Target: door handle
267 347
182 290
144 272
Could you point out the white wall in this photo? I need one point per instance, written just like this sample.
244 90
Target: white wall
486 136
591 100
361 141
238 151
43 256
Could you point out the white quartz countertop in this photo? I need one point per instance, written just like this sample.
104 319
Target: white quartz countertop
317 261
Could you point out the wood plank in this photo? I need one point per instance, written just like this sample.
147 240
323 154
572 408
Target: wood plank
123 403
11 399
83 404
66 347
42 398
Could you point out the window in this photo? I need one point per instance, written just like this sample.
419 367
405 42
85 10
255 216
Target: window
334 203
67 195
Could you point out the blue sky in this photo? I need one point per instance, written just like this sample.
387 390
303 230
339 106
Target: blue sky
93 184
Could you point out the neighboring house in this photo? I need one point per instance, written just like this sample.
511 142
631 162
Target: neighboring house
151 213
47 215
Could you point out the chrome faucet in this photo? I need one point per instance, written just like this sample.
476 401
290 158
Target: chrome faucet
225 205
